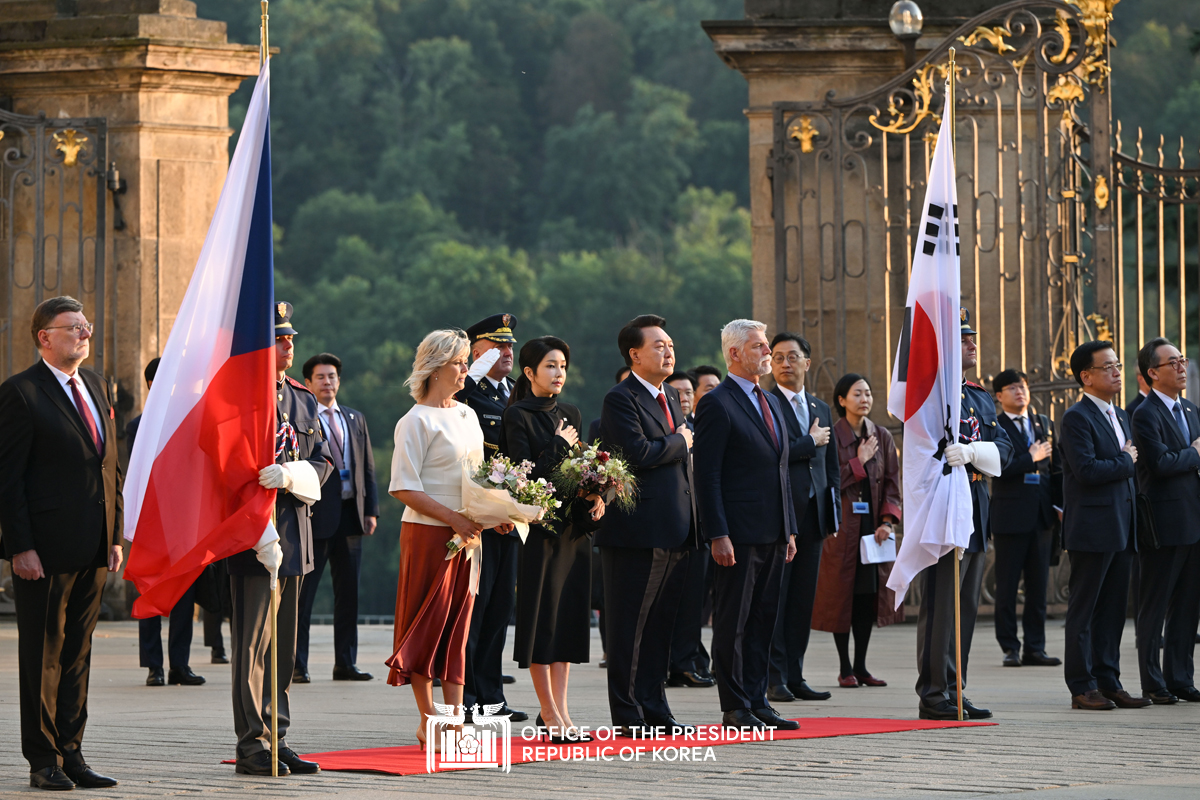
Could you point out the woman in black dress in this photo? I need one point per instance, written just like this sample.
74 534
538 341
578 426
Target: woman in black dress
554 574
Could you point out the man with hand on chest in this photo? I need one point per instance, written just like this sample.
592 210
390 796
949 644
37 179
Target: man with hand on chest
347 511
1026 495
486 391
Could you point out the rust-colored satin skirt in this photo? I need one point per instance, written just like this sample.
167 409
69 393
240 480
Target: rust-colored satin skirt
433 607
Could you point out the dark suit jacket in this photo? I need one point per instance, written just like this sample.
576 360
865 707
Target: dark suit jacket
1168 470
293 518
1020 507
1098 489
58 496
593 431
327 512
1133 404
488 405
742 483
632 423
812 466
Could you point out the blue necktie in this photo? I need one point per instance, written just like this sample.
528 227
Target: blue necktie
801 412
1028 426
1179 420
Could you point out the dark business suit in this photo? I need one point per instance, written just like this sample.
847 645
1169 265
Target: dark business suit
1099 531
1168 471
936 677
688 653
338 521
816 479
1023 521
497 597
59 496
250 585
644 552
1133 404
179 626
744 492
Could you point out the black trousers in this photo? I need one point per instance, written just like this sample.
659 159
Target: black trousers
687 648
642 587
1027 553
1170 594
55 619
936 676
489 621
212 632
343 552
797 594
179 635
745 606
1099 587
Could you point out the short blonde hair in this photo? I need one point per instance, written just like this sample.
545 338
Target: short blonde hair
735 334
436 350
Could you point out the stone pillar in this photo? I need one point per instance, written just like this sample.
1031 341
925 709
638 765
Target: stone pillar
162 78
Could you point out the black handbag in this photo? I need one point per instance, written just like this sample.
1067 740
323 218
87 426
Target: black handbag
1146 532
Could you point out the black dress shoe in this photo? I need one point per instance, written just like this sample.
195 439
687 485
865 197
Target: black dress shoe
780 694
671 726
350 673
1162 698
258 764
1039 659
942 709
1012 658
972 711
771 717
507 679
803 691
296 764
155 678
704 675
741 718
1188 693
690 680
436 682
219 657
50 778
85 777
513 714
300 676
637 728
183 676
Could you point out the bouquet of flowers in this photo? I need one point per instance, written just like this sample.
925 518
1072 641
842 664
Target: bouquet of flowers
499 492
589 470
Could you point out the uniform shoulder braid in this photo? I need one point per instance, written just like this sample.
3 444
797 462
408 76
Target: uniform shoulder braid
295 384
974 385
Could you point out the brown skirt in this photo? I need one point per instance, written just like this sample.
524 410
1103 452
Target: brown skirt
433 607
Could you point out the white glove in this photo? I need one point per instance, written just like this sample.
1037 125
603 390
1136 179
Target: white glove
274 477
270 555
959 455
483 365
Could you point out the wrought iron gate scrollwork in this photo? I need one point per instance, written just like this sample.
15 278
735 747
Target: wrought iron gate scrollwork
52 226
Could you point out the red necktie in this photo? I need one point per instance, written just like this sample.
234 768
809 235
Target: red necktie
767 418
88 421
662 403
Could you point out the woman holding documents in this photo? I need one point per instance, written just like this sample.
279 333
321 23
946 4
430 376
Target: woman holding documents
852 596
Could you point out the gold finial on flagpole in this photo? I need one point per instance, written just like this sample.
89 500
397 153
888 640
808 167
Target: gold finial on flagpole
264 47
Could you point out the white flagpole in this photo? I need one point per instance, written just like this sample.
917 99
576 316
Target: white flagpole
958 551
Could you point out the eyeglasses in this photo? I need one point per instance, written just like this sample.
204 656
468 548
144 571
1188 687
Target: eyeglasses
76 330
791 358
1113 367
1177 364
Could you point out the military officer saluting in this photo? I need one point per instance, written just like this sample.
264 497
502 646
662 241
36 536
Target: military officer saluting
984 449
486 391
300 467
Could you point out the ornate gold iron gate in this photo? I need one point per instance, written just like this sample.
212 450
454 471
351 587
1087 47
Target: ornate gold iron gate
848 181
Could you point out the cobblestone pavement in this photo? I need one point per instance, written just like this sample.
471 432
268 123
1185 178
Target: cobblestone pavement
169 741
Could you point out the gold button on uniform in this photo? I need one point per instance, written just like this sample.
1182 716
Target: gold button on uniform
280 397
285 416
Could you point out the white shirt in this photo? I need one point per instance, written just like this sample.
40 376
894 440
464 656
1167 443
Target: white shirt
655 391
433 447
83 390
1168 401
1105 409
748 387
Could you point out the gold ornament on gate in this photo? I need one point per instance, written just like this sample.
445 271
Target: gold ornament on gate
69 144
803 132
1101 192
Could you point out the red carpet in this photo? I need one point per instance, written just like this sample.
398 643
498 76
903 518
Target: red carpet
409 760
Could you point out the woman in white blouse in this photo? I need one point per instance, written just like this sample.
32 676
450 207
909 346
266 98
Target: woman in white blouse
435 441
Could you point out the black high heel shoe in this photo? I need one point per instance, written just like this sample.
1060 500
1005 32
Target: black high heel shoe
553 739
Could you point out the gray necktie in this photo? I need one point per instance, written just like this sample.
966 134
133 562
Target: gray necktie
1181 422
801 412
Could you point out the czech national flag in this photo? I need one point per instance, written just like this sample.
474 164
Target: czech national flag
191 493
927 383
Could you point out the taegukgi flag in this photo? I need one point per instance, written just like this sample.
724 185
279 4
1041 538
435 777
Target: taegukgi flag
926 384
192 494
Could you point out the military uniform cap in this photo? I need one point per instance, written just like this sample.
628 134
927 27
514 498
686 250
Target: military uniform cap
496 328
283 320
964 317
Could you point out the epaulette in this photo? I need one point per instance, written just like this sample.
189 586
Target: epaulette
974 385
297 384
